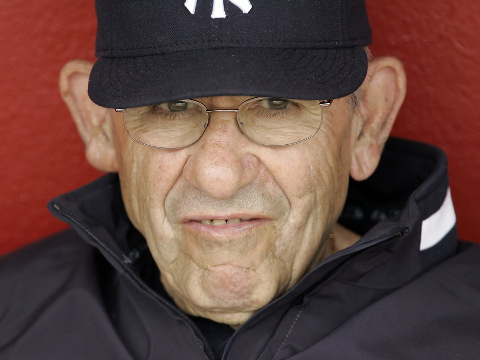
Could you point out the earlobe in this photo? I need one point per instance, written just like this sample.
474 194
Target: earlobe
383 93
92 121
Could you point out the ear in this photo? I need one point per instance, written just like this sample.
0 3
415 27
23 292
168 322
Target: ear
93 121
382 95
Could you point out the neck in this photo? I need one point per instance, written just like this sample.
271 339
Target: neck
343 238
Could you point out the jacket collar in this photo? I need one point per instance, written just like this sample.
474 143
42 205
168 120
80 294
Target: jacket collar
397 207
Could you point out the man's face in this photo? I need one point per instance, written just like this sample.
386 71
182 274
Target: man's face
280 204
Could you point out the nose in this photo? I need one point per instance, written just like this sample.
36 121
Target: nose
221 162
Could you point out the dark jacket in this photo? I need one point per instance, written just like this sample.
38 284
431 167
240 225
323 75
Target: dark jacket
398 293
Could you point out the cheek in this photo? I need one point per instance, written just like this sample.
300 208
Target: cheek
146 177
334 172
315 177
135 184
307 174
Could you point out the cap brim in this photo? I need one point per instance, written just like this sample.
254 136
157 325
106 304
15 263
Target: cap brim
292 73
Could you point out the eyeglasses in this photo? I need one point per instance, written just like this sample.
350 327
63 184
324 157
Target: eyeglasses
267 121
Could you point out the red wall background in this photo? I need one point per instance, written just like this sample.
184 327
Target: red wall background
41 155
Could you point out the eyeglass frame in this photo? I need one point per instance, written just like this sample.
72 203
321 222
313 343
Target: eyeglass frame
322 103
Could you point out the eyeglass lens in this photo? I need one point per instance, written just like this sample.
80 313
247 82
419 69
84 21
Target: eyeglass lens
266 121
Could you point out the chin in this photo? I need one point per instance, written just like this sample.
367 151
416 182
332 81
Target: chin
226 294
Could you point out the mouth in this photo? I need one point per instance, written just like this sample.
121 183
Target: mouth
232 225
220 222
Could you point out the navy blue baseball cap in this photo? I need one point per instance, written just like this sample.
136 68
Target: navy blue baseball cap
152 51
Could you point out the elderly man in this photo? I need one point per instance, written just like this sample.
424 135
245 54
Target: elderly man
244 216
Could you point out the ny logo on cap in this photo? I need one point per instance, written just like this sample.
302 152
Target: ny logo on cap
218 11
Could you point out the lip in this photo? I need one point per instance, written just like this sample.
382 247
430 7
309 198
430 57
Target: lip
206 216
247 223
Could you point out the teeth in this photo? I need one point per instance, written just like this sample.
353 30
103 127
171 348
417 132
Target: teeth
218 222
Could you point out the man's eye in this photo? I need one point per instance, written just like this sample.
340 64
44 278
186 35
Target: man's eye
177 106
173 106
275 103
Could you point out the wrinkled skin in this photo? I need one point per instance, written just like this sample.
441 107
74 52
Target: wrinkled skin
289 197
293 196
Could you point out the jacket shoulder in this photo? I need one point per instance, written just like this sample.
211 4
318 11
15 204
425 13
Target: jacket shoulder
34 261
436 316
48 288
37 271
